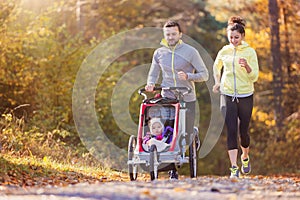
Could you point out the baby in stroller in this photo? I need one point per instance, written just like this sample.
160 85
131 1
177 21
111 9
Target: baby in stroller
158 135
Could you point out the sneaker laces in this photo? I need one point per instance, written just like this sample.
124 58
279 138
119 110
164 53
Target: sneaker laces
233 170
245 162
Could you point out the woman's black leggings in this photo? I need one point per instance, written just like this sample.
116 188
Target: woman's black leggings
234 110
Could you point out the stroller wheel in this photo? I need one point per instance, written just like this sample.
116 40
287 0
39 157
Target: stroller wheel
153 163
193 154
198 142
132 168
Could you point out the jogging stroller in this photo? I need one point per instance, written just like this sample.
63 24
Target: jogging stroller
158 156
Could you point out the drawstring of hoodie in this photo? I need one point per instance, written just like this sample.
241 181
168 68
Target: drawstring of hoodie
234 78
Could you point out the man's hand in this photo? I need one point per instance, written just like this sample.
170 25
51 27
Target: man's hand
149 87
182 76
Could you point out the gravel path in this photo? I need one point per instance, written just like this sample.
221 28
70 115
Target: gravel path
205 187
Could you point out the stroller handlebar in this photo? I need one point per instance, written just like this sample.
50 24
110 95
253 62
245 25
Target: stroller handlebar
181 90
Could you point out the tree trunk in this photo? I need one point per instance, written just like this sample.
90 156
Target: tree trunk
286 42
276 60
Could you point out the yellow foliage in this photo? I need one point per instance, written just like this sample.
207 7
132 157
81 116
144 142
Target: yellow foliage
263 117
45 159
8 117
258 40
265 76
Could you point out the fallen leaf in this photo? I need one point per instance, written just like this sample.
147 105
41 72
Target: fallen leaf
179 189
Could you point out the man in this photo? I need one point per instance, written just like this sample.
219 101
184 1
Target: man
181 66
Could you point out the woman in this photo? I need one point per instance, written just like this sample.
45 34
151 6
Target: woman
236 85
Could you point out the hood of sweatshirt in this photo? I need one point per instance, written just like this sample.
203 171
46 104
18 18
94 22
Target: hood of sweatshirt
164 43
243 45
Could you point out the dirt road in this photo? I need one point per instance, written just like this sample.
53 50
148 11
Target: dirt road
205 187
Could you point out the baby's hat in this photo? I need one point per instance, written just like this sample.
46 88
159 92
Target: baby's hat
156 120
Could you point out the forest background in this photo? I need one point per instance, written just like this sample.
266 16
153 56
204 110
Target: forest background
43 44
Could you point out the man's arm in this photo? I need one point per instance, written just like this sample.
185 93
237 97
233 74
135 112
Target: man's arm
201 72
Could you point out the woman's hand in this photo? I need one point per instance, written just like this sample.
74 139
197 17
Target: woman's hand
243 62
216 88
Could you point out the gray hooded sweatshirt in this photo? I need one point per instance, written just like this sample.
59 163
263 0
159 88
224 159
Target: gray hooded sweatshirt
182 57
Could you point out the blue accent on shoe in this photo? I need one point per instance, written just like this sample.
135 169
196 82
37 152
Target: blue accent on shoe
246 166
234 172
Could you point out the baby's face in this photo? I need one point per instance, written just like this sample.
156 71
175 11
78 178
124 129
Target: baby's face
156 128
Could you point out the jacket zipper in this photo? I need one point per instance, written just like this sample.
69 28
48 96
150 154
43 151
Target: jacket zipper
234 78
173 67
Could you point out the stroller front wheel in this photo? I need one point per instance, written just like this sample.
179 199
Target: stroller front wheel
132 168
153 162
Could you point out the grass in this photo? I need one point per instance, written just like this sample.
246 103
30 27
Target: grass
37 158
32 171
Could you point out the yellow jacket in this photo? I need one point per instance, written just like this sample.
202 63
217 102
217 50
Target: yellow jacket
235 80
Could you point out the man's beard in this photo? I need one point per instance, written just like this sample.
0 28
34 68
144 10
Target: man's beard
172 42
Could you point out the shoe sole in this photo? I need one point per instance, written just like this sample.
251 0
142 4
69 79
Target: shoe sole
246 172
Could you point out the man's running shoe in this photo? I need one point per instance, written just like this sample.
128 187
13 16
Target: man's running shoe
173 175
246 167
234 172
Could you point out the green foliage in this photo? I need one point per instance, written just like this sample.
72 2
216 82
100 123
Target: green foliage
39 65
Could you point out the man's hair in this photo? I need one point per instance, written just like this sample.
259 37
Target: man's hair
172 23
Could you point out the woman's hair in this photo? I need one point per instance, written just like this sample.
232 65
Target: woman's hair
236 23
172 23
